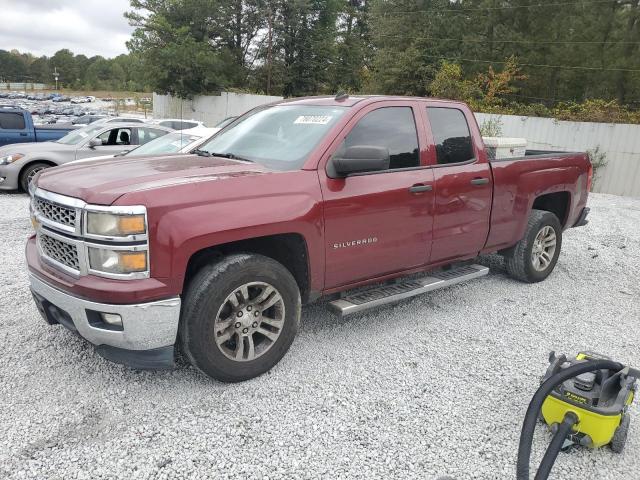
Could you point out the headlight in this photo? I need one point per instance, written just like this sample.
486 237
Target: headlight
117 261
7 159
113 225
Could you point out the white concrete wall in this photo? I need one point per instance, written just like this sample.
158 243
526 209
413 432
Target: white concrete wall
21 86
621 143
210 109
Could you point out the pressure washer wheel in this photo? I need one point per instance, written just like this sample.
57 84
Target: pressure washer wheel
620 437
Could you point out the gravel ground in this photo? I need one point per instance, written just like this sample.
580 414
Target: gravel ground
434 386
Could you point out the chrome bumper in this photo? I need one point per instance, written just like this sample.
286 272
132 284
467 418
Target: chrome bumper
145 326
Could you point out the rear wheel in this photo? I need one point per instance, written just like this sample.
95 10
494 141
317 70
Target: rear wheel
239 317
534 257
29 172
620 437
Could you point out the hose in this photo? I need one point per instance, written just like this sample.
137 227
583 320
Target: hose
570 419
530 419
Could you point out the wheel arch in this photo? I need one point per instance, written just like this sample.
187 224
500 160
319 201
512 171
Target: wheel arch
558 203
288 249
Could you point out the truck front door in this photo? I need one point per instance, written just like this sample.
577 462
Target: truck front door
379 222
463 185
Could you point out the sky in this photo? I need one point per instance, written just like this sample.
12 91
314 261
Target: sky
42 27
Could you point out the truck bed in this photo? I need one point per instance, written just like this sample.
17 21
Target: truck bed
519 180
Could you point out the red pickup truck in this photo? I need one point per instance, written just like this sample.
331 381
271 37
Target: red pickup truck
214 253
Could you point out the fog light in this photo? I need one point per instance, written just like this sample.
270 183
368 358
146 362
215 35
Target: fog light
111 319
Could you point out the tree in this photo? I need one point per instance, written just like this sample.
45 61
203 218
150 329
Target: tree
191 47
12 67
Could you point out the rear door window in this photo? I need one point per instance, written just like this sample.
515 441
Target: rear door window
451 135
393 128
147 134
12 121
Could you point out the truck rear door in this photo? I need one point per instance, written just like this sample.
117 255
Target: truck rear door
463 183
14 128
379 222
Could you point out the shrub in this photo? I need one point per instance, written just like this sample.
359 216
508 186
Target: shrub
598 162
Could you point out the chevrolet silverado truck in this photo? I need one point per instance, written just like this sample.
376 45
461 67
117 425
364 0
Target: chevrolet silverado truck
365 200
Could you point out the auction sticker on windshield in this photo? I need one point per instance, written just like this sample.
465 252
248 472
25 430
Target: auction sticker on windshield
313 119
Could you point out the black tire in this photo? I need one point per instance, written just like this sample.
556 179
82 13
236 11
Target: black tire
29 172
620 436
518 260
205 296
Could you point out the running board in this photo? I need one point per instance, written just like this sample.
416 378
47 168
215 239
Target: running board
384 294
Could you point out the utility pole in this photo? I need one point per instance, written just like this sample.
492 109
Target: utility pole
56 75
269 49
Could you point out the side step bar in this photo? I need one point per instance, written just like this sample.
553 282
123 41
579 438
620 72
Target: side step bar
382 295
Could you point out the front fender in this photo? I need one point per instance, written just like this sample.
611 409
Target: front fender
191 218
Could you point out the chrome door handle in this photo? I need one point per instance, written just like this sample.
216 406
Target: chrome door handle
420 188
479 181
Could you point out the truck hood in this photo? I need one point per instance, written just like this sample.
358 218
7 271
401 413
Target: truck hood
29 148
102 182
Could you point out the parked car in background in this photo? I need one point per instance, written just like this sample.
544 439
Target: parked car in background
19 163
106 120
183 141
214 254
87 119
177 123
16 126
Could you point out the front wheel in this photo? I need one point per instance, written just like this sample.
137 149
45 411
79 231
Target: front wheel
534 257
239 317
29 172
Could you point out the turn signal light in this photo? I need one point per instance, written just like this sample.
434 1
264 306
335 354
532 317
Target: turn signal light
134 261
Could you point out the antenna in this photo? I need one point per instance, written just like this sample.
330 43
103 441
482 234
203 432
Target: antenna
341 96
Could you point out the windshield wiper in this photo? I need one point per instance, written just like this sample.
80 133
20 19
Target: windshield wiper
232 156
202 153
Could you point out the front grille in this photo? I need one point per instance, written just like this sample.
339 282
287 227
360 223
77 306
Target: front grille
56 213
61 252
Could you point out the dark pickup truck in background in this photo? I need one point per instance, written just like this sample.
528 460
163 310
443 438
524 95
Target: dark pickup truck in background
16 126
367 200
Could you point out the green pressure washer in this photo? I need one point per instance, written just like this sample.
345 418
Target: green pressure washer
584 401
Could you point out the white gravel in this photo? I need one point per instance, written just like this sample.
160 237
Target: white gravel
434 386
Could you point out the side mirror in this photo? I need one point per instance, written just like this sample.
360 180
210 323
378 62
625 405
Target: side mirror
95 142
360 159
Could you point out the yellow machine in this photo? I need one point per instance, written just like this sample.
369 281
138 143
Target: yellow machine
585 401
599 399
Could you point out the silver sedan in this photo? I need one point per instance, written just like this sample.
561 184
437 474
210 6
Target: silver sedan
20 162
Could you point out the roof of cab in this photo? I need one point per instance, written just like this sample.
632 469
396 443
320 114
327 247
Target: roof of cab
349 101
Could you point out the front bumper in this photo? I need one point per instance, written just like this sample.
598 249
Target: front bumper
9 177
145 340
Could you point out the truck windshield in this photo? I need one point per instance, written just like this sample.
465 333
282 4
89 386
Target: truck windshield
279 137
77 136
